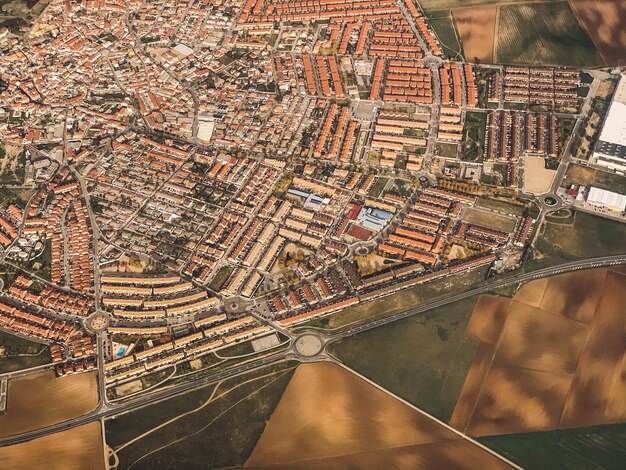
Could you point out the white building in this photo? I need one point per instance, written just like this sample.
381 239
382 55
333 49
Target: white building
607 199
610 149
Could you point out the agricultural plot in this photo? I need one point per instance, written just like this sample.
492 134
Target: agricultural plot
605 22
423 359
39 400
76 449
543 34
329 418
597 448
557 362
477 28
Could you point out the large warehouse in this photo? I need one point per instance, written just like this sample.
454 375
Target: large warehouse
610 150
607 199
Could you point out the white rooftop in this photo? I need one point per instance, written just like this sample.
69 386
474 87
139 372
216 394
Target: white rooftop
614 130
607 198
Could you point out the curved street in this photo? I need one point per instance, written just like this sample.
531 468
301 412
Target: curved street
133 404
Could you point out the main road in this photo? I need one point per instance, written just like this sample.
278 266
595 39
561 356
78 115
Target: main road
290 355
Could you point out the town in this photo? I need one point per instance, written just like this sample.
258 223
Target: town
199 174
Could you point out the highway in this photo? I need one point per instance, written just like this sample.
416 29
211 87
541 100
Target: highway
289 354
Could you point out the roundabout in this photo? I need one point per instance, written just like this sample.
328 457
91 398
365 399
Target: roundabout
308 345
97 322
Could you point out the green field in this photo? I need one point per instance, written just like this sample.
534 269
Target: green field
423 359
220 434
472 147
501 206
588 236
436 5
543 34
444 28
598 447
17 353
398 302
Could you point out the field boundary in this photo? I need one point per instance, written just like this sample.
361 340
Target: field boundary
438 421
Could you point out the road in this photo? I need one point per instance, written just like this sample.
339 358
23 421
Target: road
160 395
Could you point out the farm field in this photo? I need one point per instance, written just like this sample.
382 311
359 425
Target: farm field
477 28
543 34
17 353
584 236
595 448
537 178
42 399
214 427
76 449
331 418
556 362
605 22
423 359
489 219
433 5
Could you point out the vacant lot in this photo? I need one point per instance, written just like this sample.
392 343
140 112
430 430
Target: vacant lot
477 28
444 27
537 178
42 399
586 176
213 427
597 448
423 359
605 22
588 236
558 365
489 219
543 34
328 418
17 353
398 302
472 147
77 449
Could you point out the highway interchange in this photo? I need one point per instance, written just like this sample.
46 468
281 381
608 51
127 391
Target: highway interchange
110 411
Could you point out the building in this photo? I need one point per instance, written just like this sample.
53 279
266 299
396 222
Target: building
608 199
610 149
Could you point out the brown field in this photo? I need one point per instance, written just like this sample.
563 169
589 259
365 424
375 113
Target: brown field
488 318
560 361
42 399
489 219
477 28
330 418
532 292
537 178
76 449
605 22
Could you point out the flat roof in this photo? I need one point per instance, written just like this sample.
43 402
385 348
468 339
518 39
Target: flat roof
614 129
606 198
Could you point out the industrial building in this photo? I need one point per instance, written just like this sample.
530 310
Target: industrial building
610 149
607 199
